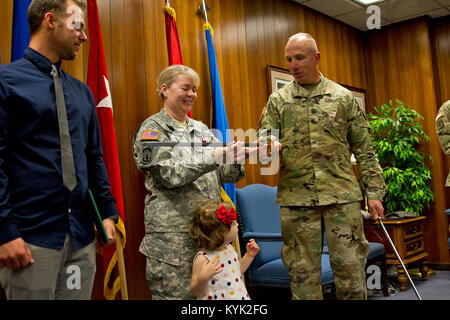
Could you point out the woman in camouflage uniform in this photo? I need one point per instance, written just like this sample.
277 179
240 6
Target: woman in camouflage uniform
176 178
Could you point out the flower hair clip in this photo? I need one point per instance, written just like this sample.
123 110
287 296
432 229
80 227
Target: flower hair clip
226 217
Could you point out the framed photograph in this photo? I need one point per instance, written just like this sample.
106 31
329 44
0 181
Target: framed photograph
276 78
360 96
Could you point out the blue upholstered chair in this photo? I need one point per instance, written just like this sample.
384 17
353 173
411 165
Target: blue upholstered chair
259 218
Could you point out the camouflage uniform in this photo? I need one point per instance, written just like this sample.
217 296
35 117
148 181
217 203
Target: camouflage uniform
443 131
176 178
317 130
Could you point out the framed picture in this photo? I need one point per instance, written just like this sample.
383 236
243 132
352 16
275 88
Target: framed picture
360 96
277 77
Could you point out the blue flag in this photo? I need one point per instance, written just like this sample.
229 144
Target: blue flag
219 121
20 31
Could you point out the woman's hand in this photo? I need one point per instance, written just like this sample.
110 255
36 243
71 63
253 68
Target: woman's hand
233 153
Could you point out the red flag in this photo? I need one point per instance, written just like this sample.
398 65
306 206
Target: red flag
97 80
173 41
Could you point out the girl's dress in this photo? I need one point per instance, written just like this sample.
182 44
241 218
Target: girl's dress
228 284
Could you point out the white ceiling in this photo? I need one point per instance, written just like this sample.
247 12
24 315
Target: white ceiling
392 11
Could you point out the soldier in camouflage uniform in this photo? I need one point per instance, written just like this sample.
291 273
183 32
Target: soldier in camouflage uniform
443 131
319 123
176 178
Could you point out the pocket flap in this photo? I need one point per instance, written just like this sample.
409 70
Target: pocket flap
161 250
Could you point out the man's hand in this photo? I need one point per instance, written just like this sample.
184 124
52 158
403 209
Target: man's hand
376 209
110 229
269 148
15 254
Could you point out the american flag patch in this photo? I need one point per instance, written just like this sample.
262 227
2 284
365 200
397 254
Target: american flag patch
150 135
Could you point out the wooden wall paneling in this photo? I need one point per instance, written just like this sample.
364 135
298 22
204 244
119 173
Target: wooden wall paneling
6 14
356 68
155 50
298 19
409 78
272 51
361 64
441 45
441 56
435 231
231 81
326 62
281 25
230 58
129 111
392 71
257 60
248 115
437 224
330 41
113 34
135 78
344 74
352 58
371 59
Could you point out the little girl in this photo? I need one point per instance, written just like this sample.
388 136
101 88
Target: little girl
216 272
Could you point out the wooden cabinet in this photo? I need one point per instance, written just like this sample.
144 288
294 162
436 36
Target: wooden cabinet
407 236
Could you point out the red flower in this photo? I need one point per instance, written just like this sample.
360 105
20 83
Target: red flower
226 217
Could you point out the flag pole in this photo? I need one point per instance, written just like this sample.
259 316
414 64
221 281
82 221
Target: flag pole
203 8
121 263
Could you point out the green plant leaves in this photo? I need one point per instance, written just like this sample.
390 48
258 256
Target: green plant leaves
396 133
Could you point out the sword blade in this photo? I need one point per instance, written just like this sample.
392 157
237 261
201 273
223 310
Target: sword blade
195 144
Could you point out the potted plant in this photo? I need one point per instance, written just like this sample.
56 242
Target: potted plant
396 134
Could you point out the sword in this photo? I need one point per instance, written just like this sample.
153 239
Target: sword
209 144
195 144
399 259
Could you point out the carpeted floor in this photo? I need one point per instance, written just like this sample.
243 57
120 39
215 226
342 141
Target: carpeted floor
437 287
